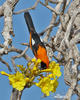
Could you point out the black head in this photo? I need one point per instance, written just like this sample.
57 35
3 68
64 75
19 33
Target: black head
43 66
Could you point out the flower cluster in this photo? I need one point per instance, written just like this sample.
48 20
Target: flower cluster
49 83
48 78
17 80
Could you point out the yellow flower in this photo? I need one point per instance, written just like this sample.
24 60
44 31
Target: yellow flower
52 64
47 85
43 84
4 73
38 61
55 68
50 76
28 64
46 70
17 80
35 68
33 60
55 85
22 69
56 71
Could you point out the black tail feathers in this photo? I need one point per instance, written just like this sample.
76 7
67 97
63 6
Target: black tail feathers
29 22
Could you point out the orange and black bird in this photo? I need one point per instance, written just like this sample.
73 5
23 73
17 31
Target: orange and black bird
36 45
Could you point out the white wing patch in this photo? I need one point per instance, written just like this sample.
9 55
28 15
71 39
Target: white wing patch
33 42
41 39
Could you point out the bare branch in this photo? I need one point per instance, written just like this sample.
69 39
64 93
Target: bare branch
54 1
7 65
66 37
25 10
18 56
7 9
16 95
50 8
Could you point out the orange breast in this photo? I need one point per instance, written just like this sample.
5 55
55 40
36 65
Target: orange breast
42 55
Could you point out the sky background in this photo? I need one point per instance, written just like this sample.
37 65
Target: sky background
41 17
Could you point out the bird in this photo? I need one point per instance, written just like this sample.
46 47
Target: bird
36 44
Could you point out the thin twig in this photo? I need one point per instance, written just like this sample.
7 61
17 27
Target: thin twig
50 8
7 65
18 56
25 10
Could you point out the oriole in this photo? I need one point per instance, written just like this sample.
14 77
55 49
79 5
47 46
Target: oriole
36 45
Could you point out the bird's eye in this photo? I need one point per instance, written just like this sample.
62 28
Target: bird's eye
33 42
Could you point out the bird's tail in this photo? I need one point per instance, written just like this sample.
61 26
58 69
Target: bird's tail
29 22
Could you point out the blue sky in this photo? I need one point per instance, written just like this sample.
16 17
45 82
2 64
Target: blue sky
41 17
